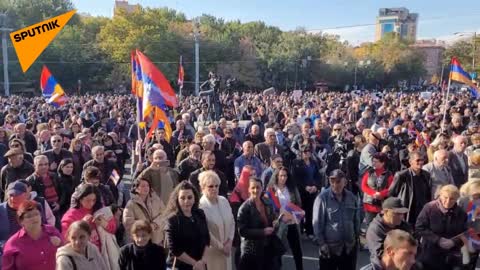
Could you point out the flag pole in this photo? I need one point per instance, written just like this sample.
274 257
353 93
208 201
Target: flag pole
139 134
446 100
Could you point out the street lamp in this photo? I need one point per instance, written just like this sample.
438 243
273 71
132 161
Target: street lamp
359 63
474 46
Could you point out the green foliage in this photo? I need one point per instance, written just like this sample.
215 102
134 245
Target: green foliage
96 50
463 51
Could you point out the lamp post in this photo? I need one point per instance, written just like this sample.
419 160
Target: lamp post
196 35
360 63
5 31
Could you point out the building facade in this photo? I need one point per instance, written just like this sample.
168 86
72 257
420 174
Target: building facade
432 51
398 21
123 4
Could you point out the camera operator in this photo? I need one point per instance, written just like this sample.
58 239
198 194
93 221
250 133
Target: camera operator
340 146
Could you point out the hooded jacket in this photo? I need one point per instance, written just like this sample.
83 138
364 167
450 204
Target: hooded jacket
93 260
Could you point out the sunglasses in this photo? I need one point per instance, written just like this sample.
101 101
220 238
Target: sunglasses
55 141
337 129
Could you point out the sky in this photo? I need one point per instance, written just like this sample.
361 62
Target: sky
437 18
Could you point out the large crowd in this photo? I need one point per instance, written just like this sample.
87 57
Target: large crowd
401 171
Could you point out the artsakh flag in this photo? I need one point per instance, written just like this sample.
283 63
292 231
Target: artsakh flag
296 211
52 91
273 197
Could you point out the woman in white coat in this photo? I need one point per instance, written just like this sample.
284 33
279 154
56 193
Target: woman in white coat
221 223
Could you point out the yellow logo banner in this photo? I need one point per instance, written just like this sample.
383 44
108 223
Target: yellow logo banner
31 41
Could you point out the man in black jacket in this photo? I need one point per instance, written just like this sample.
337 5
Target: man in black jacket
413 187
29 139
208 163
191 163
392 218
17 168
57 153
45 183
399 252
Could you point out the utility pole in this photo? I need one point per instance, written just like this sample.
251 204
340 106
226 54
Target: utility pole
196 35
5 31
474 50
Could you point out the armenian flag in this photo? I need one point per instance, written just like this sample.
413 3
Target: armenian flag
52 91
459 75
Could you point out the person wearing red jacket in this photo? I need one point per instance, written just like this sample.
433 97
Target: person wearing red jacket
375 184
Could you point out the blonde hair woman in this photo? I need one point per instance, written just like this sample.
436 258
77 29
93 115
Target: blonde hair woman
220 221
474 165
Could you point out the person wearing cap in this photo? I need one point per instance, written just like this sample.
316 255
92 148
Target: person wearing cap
17 168
368 151
439 224
400 250
412 186
391 218
336 223
16 194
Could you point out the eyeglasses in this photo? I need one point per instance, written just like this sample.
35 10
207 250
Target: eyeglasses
212 186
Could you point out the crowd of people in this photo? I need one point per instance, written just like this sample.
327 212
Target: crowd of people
392 168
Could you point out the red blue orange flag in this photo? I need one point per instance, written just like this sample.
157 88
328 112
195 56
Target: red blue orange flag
160 120
51 89
273 197
157 91
458 74
181 73
296 212
137 88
